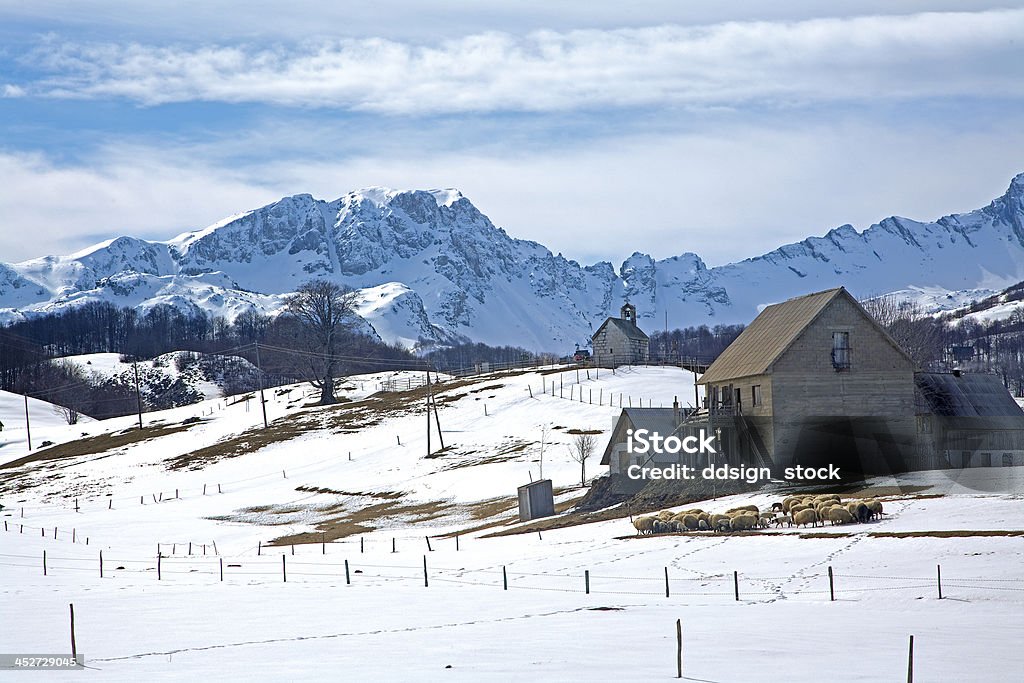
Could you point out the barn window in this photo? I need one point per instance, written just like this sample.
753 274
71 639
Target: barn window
841 350
755 395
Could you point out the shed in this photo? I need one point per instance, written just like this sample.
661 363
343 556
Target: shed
536 499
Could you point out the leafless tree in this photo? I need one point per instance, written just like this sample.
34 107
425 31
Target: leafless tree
325 312
581 448
922 336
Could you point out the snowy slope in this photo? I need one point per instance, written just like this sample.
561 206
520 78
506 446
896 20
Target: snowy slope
283 614
45 423
461 276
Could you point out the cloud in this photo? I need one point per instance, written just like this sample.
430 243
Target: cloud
726 194
727 64
13 91
56 209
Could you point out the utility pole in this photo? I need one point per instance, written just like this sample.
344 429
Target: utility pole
259 375
428 412
28 426
138 393
437 420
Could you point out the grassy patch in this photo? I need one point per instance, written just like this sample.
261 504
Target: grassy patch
97 444
362 520
959 533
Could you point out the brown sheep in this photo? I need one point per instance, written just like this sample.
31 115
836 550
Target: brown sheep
743 522
839 515
716 520
644 525
691 522
805 516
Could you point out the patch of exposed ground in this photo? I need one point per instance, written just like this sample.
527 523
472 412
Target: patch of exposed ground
367 518
340 418
98 444
959 533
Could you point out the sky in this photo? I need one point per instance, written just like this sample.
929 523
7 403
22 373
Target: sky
598 129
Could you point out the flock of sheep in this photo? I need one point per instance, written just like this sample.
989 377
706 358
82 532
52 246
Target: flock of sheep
792 511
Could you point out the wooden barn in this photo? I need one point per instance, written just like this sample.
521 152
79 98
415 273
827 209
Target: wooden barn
618 341
815 380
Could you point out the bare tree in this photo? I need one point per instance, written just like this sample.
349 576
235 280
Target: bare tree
919 334
581 448
325 312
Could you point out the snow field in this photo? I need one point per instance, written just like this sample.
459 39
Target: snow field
386 625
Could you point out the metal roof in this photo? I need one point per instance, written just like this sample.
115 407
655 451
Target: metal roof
659 420
969 395
773 331
765 339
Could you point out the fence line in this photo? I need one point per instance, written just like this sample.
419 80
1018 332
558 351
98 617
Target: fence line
716 585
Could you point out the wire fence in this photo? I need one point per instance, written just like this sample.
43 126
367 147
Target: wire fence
665 582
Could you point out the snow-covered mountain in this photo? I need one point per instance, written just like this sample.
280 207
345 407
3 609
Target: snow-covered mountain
433 268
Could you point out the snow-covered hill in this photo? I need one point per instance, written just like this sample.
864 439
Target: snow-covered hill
206 488
432 267
172 379
45 423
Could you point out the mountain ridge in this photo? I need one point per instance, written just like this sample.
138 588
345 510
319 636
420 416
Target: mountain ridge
434 269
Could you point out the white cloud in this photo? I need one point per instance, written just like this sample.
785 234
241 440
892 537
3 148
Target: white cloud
13 91
52 209
730 64
726 194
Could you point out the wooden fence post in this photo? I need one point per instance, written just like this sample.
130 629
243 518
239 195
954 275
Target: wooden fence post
360 544
348 581
938 576
426 583
679 648
221 568
666 582
74 646
158 577
736 584
101 564
586 580
394 549
910 662
429 549
284 568
44 563
504 577
831 585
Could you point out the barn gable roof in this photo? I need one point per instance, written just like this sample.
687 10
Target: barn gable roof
660 420
773 331
629 329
